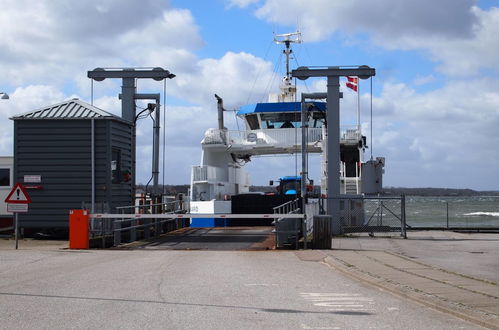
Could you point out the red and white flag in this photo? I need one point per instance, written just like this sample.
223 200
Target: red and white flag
352 83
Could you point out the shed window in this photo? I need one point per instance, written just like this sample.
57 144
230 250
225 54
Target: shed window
116 166
4 177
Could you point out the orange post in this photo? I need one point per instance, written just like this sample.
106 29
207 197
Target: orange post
78 229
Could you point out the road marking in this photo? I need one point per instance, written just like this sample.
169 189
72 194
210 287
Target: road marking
304 326
260 284
339 302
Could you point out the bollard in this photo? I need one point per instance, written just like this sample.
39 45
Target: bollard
78 229
323 232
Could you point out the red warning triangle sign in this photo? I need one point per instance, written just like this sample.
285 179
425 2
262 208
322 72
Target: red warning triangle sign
18 195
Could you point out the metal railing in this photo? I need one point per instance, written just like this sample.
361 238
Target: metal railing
129 230
166 207
276 136
368 214
123 228
473 213
287 136
288 231
206 173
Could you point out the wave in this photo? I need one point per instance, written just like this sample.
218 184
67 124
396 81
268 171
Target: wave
482 214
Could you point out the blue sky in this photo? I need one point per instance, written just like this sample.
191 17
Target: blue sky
435 104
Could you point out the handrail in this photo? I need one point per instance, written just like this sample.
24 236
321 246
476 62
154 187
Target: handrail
357 177
144 205
288 210
287 207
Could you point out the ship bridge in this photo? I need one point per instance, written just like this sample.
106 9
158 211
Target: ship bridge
275 128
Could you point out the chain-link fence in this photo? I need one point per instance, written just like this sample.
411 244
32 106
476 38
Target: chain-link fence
367 214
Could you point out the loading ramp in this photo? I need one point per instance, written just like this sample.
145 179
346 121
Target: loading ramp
216 238
168 231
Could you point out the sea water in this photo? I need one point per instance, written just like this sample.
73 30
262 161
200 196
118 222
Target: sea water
467 212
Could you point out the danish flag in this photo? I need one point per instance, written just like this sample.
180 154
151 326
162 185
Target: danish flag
352 83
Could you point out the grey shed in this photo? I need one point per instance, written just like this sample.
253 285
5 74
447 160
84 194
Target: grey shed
53 145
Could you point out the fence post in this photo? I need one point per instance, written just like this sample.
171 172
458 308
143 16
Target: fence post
447 204
304 230
103 232
117 232
157 224
402 213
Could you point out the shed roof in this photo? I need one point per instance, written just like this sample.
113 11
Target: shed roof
71 109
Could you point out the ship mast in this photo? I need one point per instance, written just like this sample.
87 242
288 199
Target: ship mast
288 91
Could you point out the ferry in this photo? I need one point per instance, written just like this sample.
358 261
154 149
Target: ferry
273 128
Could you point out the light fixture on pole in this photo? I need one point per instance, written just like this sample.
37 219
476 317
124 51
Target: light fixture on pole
5 96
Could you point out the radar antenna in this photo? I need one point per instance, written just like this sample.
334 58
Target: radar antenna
287 39
288 91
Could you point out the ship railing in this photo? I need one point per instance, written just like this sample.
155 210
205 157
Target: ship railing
273 136
350 133
350 185
206 173
281 136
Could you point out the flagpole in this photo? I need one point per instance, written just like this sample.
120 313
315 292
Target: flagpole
358 103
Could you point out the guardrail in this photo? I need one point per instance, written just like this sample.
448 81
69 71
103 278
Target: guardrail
175 205
287 228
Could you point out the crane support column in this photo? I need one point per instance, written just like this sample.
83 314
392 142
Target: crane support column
128 110
333 75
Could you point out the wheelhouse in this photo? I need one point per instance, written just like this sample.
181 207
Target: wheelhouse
281 115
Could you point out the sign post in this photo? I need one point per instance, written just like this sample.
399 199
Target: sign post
17 202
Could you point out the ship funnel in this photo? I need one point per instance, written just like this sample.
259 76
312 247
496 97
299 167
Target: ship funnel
220 107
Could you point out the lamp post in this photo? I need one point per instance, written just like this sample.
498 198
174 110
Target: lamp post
5 96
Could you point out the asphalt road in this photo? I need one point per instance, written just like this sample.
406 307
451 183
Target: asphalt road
54 288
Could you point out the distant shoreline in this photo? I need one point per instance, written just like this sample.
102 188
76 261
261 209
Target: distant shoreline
447 192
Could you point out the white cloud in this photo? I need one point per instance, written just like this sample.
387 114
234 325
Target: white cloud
241 3
387 18
24 99
232 77
459 36
445 133
423 80
51 42
467 56
426 137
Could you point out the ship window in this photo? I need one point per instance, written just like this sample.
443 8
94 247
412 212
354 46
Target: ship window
252 121
290 120
4 177
281 120
317 119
